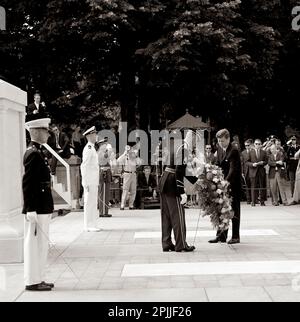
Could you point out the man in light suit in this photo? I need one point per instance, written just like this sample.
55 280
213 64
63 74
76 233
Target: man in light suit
209 155
90 181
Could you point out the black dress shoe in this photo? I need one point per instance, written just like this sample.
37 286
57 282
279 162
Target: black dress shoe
131 208
122 209
234 241
48 284
187 249
262 204
38 288
105 216
169 249
253 204
217 240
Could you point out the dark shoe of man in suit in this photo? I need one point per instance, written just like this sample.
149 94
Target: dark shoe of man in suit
253 204
106 216
48 284
234 241
263 204
187 249
38 288
217 240
171 248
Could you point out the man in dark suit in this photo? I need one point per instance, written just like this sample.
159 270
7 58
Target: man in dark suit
258 159
173 198
59 142
245 168
147 185
37 109
228 158
38 207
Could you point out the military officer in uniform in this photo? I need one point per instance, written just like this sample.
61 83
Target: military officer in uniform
38 207
173 198
129 162
104 157
90 181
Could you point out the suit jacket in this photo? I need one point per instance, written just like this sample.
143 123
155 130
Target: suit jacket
36 182
142 181
64 143
232 169
292 161
259 170
41 112
274 167
244 158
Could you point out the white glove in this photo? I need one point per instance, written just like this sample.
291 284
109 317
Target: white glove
183 199
32 217
154 194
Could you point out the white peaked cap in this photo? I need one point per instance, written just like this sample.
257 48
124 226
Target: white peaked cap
90 130
38 124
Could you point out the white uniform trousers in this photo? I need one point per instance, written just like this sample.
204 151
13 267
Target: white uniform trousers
129 185
90 207
36 247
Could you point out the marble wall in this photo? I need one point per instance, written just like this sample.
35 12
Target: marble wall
12 147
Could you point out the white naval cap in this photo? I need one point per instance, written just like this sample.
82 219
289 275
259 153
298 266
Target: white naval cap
90 131
38 124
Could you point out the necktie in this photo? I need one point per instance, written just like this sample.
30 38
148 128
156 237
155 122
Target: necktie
257 154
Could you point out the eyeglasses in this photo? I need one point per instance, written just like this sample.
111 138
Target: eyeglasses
257 143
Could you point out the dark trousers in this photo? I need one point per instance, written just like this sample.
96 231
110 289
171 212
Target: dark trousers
104 191
248 188
236 220
259 188
172 218
292 177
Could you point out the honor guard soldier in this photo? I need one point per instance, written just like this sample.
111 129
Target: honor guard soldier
104 157
129 162
90 181
173 198
38 207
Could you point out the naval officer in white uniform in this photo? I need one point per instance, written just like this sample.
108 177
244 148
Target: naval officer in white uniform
90 181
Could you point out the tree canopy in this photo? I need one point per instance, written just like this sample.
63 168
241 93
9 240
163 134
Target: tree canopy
236 62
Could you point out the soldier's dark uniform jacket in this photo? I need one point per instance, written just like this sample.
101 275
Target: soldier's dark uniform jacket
36 182
171 186
173 183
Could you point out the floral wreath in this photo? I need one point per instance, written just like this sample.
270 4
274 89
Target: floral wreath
215 200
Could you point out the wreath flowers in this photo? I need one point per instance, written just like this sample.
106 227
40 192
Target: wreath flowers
215 200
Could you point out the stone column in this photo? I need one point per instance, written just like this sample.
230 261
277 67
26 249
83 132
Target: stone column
12 147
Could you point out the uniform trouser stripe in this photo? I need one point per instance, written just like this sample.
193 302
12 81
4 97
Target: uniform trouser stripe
181 221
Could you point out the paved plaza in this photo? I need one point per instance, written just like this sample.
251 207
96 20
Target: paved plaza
124 262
